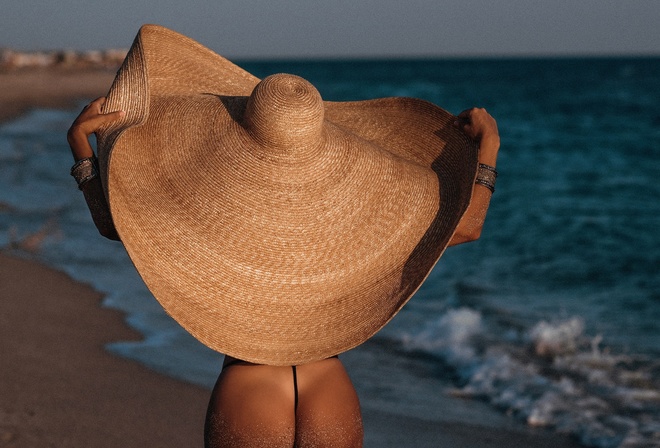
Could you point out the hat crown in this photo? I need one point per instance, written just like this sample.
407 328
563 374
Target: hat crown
285 112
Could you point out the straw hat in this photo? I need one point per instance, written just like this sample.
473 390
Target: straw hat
274 226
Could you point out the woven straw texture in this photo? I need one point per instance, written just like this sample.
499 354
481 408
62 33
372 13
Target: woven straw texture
273 226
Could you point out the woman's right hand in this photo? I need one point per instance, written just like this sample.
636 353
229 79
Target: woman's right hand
480 126
90 120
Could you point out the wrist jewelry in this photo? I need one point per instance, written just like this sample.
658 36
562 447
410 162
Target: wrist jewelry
486 176
85 170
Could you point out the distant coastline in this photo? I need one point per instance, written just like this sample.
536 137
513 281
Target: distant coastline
15 60
11 60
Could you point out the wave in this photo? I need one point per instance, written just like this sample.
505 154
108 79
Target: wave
552 375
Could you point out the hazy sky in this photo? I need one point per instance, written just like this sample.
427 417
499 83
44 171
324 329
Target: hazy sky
330 28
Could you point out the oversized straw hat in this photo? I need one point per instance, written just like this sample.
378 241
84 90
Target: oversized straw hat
274 226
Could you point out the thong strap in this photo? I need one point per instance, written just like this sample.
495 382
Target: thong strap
295 390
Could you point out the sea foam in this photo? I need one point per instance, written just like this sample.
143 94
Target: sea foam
553 376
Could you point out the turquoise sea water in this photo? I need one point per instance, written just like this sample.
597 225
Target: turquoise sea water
551 317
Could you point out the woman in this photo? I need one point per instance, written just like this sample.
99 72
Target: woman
311 404
253 405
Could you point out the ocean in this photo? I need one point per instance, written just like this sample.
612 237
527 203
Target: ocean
550 319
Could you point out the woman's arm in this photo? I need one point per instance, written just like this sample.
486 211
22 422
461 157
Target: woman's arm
481 127
88 122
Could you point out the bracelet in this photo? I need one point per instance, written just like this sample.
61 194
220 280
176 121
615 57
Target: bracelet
85 170
486 176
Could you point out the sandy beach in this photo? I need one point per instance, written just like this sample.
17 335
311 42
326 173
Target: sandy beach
23 89
60 388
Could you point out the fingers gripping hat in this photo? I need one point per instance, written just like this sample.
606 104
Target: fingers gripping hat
274 226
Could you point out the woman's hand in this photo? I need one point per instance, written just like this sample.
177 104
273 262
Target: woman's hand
480 126
90 120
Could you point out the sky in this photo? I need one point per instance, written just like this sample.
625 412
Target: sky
345 28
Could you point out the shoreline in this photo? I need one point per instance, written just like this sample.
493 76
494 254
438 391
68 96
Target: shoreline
62 388
59 88
59 385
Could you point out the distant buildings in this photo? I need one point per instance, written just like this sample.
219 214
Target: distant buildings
14 60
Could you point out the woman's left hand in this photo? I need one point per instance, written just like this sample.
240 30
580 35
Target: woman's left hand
90 120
